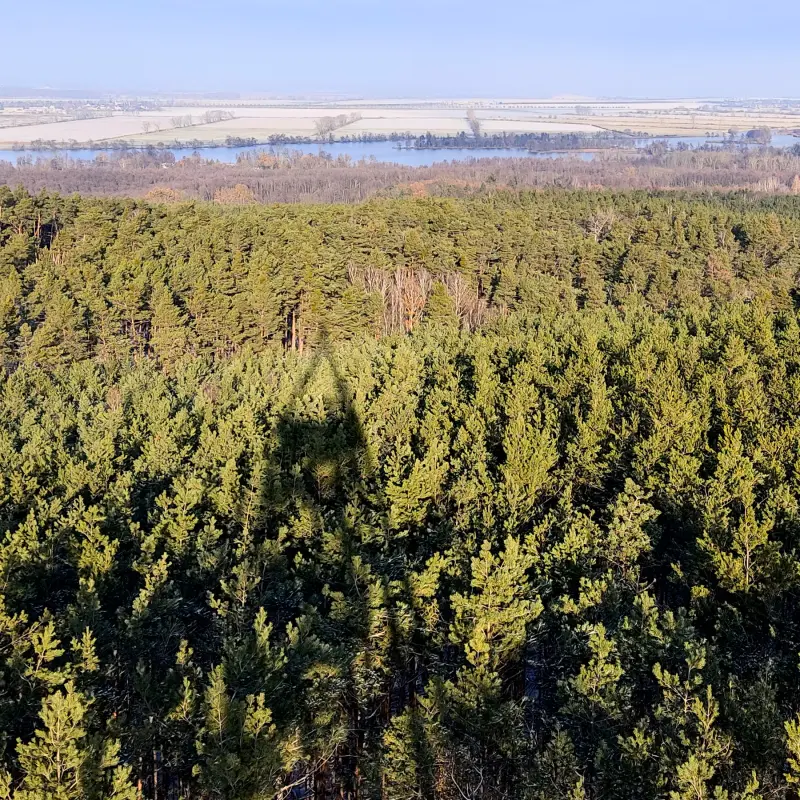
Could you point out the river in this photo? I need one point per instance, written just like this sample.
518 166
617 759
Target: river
373 151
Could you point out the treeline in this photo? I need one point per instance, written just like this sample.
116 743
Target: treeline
535 142
324 135
112 280
328 180
325 126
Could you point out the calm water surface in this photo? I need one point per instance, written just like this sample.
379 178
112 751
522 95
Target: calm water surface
356 151
372 151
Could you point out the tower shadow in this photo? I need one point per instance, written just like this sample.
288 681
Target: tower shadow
327 456
324 489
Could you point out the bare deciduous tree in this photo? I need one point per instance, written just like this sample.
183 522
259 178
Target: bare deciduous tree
598 225
474 123
327 125
238 195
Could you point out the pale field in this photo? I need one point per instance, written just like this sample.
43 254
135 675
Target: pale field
678 117
603 106
261 123
413 113
522 103
312 112
380 122
263 128
10 120
696 124
316 112
82 130
258 112
440 125
506 125
243 127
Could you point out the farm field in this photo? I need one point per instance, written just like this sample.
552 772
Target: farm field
551 105
256 127
189 123
691 124
103 129
535 125
11 120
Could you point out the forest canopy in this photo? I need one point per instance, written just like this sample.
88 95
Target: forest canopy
451 498
116 279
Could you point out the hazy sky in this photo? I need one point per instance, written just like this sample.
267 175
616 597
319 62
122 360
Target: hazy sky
416 47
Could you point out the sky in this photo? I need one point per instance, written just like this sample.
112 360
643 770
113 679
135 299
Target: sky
414 48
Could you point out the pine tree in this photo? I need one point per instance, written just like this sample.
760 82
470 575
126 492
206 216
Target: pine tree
64 761
440 310
169 336
61 336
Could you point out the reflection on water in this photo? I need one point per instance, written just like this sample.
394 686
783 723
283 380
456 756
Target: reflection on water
356 151
380 151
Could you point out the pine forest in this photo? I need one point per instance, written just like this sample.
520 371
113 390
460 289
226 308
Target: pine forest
483 498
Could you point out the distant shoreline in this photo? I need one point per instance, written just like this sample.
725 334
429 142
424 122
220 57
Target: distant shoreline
66 148
184 145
